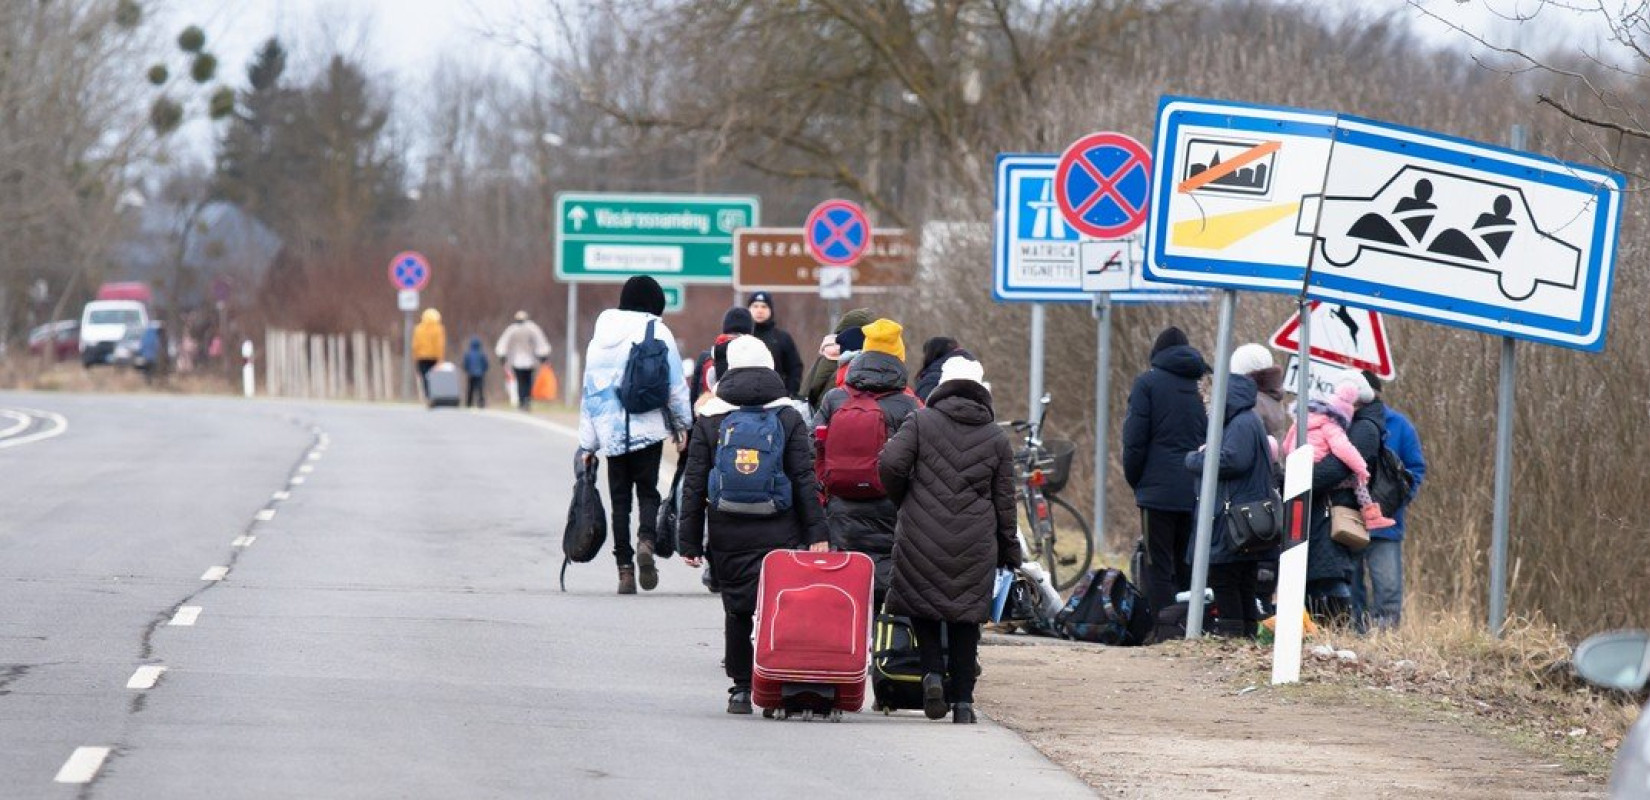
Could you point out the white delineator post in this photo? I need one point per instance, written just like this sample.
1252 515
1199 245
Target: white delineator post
249 381
1297 528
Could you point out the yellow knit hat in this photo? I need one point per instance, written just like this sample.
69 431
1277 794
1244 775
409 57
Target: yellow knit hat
883 336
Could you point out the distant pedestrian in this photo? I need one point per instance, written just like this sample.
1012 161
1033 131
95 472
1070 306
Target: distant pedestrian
713 361
856 421
632 340
475 373
950 471
1329 564
935 352
787 361
822 376
1246 476
1382 605
522 348
775 470
1255 362
429 346
1166 420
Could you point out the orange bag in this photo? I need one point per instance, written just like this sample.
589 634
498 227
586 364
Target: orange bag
545 385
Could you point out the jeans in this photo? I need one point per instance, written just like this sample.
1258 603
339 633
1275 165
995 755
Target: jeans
475 394
737 651
1235 587
963 643
424 367
636 471
1168 538
524 387
1383 603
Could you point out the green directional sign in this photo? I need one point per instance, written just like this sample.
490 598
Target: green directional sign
675 297
681 238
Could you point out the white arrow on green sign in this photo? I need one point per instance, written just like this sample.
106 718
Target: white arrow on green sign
684 238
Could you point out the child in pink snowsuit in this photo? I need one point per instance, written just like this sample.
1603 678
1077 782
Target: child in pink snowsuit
1326 422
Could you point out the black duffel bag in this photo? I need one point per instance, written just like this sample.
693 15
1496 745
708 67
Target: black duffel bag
586 518
670 511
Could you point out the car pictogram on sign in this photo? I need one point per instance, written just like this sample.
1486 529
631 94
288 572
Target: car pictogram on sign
1428 215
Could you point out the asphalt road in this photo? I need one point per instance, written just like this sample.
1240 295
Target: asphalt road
388 628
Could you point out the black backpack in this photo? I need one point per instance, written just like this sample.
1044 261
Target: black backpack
586 520
646 383
1391 484
1105 608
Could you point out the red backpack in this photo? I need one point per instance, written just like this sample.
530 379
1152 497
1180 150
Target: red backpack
853 444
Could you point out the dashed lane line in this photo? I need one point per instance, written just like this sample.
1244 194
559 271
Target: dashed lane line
186 616
82 765
266 515
215 574
243 541
145 677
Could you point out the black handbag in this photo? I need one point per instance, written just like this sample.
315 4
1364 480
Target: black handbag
1256 526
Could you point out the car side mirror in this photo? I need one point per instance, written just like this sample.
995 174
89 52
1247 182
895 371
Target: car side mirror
1615 660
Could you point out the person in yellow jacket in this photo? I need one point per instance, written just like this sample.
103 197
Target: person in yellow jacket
429 345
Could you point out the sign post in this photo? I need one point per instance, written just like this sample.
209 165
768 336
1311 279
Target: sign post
1505 409
409 274
1211 466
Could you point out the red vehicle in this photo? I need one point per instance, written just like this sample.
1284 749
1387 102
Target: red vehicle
60 340
127 290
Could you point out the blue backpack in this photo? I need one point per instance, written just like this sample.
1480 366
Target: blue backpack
646 383
748 476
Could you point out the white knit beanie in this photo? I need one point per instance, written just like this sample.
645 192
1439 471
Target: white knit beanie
1366 393
957 368
1250 358
748 351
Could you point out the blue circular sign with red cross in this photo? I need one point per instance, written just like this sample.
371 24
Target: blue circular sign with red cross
409 271
1103 185
837 233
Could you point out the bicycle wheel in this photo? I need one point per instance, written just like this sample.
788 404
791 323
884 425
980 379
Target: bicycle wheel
1070 549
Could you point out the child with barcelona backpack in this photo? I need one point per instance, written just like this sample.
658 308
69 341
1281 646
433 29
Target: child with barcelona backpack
750 482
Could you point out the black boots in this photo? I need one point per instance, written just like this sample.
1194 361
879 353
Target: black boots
963 713
933 696
739 701
627 579
644 560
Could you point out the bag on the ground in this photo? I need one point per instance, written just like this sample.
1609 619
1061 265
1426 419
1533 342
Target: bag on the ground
1171 621
748 477
646 383
1391 484
586 519
1254 527
1346 527
670 510
1103 609
853 444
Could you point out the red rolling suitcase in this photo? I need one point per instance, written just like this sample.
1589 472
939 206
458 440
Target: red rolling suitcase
813 631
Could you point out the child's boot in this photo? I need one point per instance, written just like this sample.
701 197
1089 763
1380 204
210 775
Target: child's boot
1374 520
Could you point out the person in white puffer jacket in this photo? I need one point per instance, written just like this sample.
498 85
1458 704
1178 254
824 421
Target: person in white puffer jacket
632 443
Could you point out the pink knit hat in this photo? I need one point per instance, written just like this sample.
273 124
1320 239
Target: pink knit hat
1343 399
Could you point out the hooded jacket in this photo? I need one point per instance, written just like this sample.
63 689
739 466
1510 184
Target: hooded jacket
523 345
823 374
475 360
1269 403
602 420
786 360
951 472
737 543
1245 467
1326 559
1166 420
867 526
429 342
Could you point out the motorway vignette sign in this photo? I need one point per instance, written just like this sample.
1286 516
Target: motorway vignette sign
681 238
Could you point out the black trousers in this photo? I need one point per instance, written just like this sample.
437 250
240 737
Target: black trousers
1235 589
635 472
524 386
1168 538
475 392
424 367
963 641
738 653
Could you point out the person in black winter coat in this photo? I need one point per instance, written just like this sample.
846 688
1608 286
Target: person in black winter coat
1166 420
786 360
738 543
1329 565
934 353
714 361
1245 470
867 526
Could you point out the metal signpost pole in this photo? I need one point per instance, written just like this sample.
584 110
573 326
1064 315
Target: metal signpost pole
1102 412
572 384
1034 403
1504 413
1211 466
407 391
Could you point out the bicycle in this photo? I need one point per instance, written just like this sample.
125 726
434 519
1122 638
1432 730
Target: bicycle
1041 469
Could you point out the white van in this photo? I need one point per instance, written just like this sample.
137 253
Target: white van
110 331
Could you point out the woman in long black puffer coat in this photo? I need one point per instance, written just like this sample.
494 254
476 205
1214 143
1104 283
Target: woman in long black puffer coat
951 472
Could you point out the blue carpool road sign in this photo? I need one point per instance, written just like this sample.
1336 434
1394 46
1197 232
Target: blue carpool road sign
1387 217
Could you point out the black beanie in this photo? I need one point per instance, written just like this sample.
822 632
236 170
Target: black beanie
851 340
642 293
761 297
1170 337
1374 382
738 320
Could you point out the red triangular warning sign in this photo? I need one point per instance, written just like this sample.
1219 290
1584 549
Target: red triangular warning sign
1344 336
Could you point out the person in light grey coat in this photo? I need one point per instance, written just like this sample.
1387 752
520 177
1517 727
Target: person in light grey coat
522 348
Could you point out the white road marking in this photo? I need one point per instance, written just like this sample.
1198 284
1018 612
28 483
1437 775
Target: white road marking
22 422
279 496
60 425
82 765
243 541
215 574
266 515
145 677
297 481
315 456
544 424
306 469
186 616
